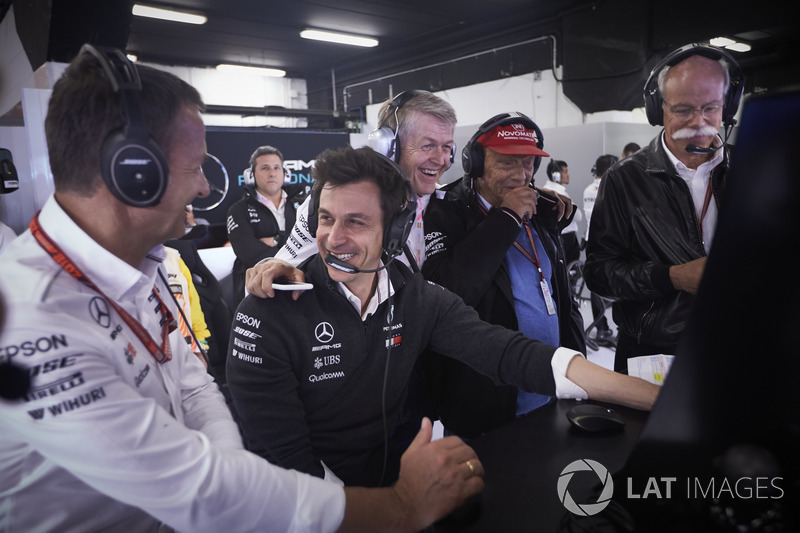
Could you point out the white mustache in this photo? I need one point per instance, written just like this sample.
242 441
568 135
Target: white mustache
688 133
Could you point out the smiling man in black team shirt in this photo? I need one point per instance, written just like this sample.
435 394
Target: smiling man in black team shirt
319 383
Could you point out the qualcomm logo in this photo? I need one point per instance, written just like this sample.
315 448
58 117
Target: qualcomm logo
586 509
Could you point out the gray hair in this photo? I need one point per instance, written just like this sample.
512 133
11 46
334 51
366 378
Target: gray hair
662 75
425 103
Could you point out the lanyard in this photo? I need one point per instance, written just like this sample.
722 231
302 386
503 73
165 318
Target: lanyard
162 353
526 223
706 202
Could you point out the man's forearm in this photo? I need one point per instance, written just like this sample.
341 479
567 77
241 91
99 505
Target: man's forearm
605 385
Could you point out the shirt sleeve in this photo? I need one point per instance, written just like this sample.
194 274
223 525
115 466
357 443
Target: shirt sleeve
126 446
300 244
566 389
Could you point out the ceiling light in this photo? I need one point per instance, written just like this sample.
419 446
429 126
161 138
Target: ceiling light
244 69
721 41
167 14
342 38
133 57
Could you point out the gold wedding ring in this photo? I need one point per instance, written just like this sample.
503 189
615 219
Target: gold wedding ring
471 468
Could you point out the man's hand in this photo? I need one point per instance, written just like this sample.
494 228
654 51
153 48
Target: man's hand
563 205
435 478
521 200
686 277
259 279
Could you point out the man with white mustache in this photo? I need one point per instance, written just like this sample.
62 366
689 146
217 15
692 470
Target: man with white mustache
656 211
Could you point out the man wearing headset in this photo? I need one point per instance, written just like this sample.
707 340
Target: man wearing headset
654 217
494 241
415 129
121 428
259 223
319 383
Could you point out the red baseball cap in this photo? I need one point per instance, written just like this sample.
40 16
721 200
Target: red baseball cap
514 139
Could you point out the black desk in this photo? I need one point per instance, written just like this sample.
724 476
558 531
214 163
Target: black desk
523 461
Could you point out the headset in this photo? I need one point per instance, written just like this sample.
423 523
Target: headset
384 139
132 165
554 171
396 232
9 180
473 156
653 101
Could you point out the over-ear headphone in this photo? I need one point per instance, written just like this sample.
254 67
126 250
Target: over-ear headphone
653 100
132 165
473 156
9 181
384 139
554 171
395 234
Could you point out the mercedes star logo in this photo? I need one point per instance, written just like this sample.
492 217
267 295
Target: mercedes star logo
98 308
324 332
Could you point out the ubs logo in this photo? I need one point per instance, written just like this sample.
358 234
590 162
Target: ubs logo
98 308
324 332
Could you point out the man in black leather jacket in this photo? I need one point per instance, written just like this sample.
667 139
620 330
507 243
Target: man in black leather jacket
655 212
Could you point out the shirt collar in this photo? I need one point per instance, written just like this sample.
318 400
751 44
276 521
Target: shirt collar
112 275
268 203
378 297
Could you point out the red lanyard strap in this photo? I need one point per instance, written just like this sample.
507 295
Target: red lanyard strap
706 202
162 353
526 223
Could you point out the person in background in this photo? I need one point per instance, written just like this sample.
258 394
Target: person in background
259 223
191 321
656 211
604 335
630 149
494 241
415 130
122 428
557 179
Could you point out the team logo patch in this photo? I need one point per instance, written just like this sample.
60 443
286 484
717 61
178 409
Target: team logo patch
324 332
98 309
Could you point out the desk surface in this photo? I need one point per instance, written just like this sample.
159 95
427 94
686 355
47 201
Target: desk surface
523 461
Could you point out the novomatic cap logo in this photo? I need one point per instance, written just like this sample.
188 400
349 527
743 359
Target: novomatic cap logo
585 509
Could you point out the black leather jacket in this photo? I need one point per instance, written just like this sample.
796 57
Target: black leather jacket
466 254
643 222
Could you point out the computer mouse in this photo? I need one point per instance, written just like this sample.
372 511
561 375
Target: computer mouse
595 418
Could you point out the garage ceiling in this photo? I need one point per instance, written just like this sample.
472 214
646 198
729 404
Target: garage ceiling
605 48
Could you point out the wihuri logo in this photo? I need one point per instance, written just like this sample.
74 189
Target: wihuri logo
585 509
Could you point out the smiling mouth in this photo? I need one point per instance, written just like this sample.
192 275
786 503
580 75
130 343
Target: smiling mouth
429 173
342 257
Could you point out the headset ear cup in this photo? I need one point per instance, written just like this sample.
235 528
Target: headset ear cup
134 170
396 235
653 107
383 141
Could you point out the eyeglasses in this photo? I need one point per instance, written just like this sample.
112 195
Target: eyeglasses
684 112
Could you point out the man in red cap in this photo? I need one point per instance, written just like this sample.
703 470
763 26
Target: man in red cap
493 240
